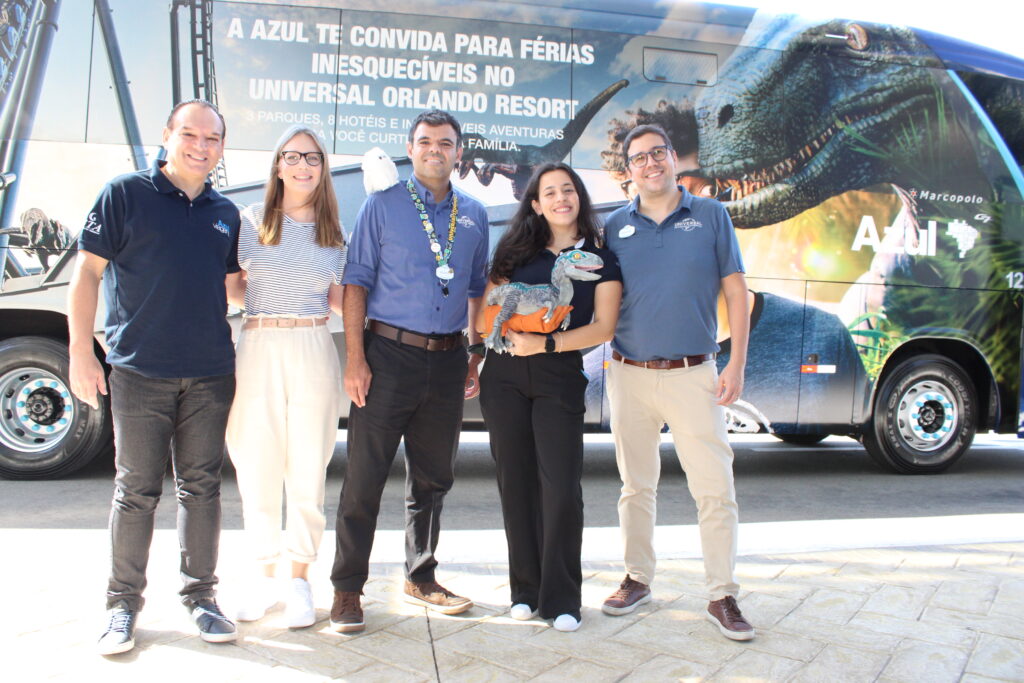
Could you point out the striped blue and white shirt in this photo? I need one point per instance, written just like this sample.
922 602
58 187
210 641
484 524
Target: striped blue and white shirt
290 278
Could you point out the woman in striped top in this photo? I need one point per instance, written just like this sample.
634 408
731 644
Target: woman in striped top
284 419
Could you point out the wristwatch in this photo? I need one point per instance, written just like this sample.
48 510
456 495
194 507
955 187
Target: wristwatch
549 344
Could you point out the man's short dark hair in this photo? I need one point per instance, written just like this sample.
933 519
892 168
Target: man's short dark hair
436 117
209 105
642 130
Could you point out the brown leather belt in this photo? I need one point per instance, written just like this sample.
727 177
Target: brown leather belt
660 364
438 342
282 323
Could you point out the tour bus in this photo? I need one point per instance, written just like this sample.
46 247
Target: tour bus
873 174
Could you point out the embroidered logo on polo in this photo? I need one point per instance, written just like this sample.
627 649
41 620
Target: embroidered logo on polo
222 227
466 222
92 224
688 224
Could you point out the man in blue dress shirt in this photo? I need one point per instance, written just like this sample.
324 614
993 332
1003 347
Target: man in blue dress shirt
416 271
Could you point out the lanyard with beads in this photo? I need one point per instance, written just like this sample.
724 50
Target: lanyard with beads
444 272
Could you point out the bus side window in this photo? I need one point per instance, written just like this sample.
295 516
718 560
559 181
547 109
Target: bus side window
680 66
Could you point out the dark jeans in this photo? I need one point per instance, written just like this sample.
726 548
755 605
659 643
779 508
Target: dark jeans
534 407
155 418
418 395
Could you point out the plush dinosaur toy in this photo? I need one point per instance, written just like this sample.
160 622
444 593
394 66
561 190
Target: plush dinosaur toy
516 298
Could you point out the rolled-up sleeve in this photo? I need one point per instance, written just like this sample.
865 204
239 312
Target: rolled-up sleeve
363 255
478 283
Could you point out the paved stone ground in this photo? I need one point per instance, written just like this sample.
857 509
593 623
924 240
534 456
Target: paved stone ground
943 613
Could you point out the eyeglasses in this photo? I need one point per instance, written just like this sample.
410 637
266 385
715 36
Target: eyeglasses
656 153
312 158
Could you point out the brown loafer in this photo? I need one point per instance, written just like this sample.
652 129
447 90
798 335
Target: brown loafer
726 615
432 595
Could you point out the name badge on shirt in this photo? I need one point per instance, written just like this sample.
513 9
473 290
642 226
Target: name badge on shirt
627 231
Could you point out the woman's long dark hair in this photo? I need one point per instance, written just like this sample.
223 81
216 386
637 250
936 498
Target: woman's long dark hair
529 232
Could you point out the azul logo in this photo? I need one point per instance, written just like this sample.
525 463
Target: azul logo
465 221
687 224
222 227
911 240
92 224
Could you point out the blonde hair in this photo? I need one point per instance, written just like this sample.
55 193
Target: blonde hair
325 204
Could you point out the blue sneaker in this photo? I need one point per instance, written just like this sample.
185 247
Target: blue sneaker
120 634
214 627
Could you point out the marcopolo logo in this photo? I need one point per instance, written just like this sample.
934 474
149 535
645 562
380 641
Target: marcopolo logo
912 240
222 227
687 224
945 197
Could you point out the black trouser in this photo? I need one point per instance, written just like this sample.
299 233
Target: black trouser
156 419
533 407
418 395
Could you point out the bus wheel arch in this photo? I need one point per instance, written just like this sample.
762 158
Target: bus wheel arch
929 402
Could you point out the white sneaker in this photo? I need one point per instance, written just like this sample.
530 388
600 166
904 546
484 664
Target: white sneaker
260 596
567 623
299 609
522 612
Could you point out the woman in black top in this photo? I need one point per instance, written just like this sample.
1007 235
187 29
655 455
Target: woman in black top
533 397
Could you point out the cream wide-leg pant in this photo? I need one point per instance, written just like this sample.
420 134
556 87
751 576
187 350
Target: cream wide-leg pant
281 431
641 401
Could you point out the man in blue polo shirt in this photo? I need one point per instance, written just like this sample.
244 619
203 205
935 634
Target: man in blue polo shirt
418 254
677 252
162 241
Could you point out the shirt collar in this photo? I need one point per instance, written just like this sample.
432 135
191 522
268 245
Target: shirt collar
426 195
164 185
685 202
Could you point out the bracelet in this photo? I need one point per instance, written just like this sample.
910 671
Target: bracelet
477 348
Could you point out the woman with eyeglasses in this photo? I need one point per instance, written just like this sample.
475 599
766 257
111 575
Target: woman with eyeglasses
533 398
284 419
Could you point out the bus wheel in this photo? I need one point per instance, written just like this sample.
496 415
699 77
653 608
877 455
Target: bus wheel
925 416
45 432
801 439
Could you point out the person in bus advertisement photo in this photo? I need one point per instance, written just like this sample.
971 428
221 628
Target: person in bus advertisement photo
677 252
532 386
173 361
283 423
416 271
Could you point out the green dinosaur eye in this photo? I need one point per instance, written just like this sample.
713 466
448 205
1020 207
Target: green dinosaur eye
577 255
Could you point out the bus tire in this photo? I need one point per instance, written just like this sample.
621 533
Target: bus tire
801 439
925 416
45 432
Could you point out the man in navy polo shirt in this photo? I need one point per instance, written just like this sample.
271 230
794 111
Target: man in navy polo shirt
163 242
677 252
418 254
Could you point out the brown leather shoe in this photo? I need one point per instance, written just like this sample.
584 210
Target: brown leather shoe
346 612
631 594
726 615
432 595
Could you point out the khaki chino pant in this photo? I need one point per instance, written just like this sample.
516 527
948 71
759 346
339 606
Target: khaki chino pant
642 400
281 433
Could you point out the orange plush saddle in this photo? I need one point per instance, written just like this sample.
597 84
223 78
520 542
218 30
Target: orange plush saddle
533 322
